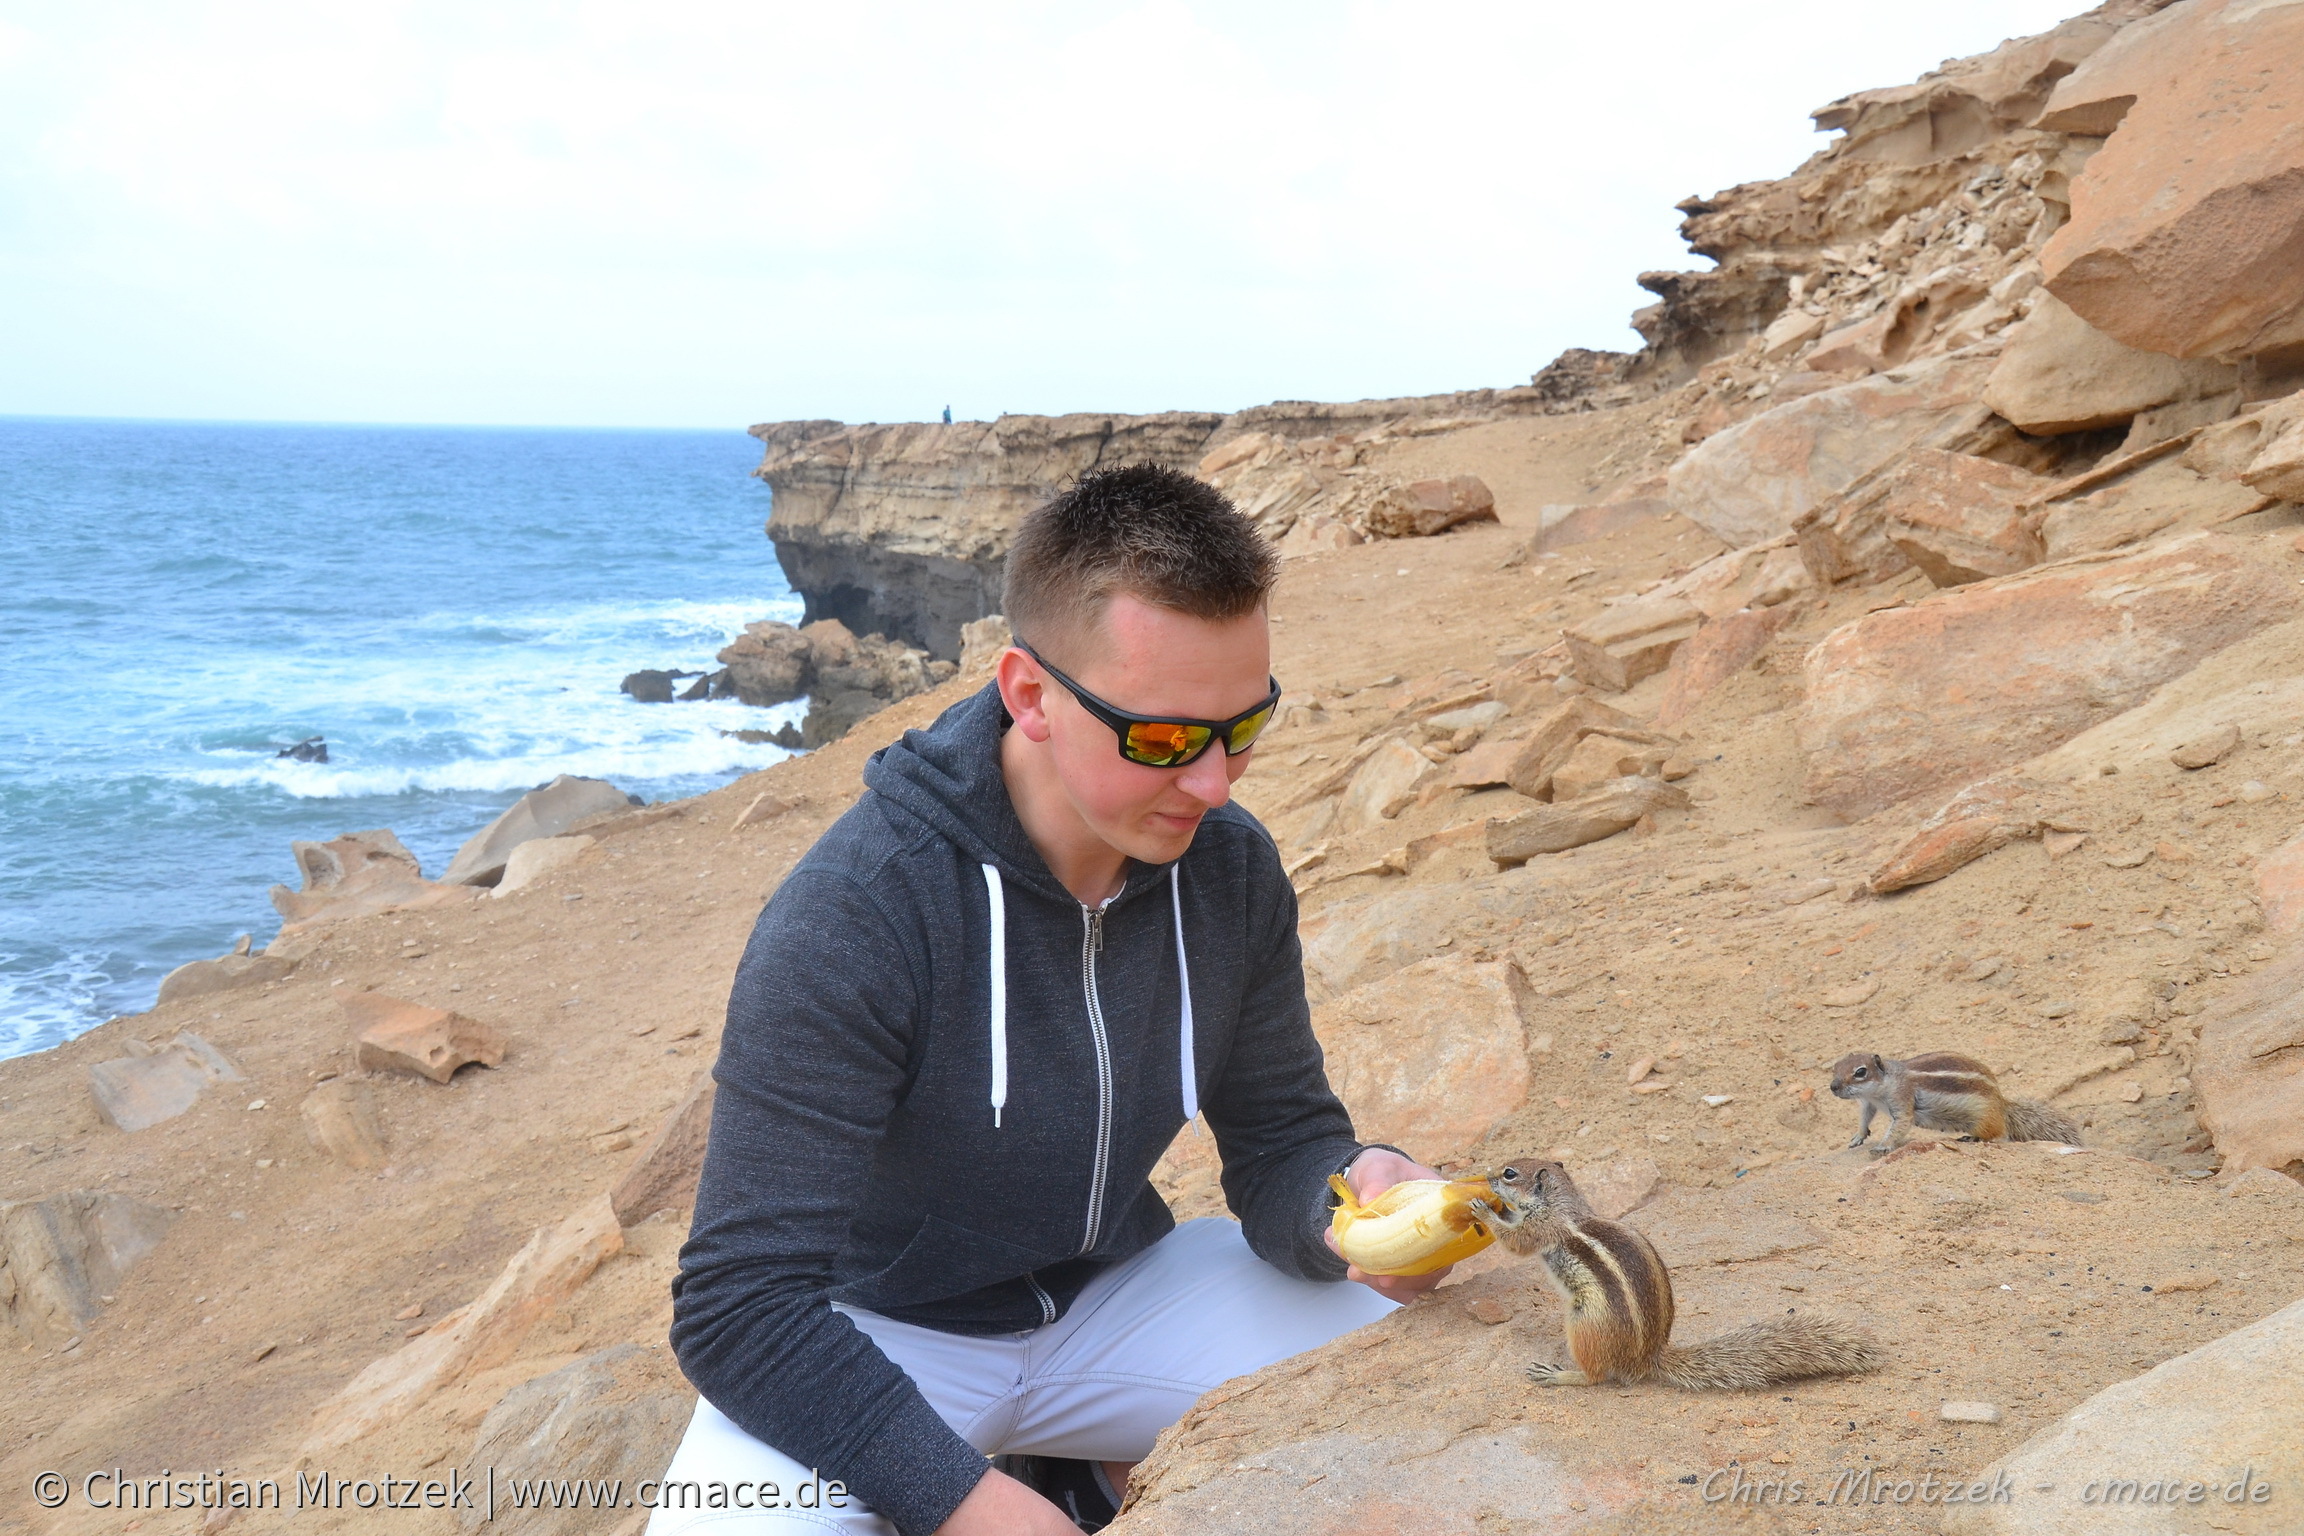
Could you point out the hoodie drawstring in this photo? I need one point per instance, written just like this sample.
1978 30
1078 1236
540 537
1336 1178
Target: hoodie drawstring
999 970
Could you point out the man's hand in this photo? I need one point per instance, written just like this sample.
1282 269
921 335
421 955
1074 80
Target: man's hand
1373 1172
1001 1506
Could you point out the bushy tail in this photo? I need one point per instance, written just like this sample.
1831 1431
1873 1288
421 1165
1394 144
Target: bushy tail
1770 1353
2031 1120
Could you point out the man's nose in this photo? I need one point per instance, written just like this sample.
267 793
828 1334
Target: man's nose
1204 778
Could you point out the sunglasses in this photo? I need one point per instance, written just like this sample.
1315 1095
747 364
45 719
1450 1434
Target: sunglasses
1156 741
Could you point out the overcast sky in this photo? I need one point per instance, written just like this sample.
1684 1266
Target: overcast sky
706 213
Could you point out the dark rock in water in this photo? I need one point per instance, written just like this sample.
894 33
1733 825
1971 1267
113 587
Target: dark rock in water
789 738
785 736
723 683
649 687
830 717
312 749
700 689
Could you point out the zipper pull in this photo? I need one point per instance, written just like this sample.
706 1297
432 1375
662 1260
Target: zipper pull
1096 931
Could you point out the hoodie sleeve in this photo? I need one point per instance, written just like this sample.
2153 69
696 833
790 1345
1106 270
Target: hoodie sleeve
1280 1128
812 1062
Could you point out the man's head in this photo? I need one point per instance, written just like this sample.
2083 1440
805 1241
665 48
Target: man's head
1147 589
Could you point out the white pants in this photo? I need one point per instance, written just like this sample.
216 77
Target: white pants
1144 1340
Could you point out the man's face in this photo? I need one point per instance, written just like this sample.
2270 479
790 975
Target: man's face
1150 661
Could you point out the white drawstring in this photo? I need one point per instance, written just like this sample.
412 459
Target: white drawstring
999 969
1184 986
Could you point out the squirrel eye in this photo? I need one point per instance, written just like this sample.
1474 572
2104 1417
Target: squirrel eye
1511 1173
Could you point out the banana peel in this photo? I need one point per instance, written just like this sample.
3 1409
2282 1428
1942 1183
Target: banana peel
1413 1228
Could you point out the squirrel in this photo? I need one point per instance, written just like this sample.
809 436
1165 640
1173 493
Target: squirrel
1619 1300
1942 1092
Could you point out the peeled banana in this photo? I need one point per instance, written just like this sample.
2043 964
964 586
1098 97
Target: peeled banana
1412 1228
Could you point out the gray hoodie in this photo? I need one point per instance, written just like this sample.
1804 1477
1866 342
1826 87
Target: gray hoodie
943 1085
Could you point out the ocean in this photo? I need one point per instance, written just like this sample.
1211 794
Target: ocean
451 608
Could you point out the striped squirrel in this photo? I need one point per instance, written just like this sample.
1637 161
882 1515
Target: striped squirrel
1942 1092
1619 1300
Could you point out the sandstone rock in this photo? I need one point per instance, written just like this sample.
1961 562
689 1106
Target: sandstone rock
2186 224
1619 646
2277 469
2209 750
1750 483
1538 754
1425 507
1600 759
763 808
1382 784
2058 373
665 1172
1561 526
1981 818
768 664
1956 516
617 1415
400 1036
2216 1418
1716 652
1890 335
2280 886
2249 1068
61 1257
156 1084
545 812
1618 1188
1551 828
1430 1057
1319 535
982 641
482 1334
1976 678
539 856
199 978
356 875
340 1120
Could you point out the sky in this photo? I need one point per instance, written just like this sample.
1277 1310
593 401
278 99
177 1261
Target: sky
706 213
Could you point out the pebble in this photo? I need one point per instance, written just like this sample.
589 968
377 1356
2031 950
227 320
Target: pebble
2255 793
1969 1413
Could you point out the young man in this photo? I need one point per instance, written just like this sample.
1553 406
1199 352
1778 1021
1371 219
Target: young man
966 1028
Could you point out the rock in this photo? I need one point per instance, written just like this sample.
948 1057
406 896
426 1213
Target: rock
1425 507
982 640
1562 526
1537 755
1618 1188
615 1415
2248 1069
340 1120
2212 1420
1429 1058
2058 373
1601 759
1956 516
539 856
61 1258
2209 750
1898 706
664 1174
476 1337
156 1084
2265 1183
1571 824
1382 784
768 664
312 749
1969 1413
2277 469
648 686
1619 646
1718 650
199 978
2280 885
1980 819
1752 482
2186 224
399 1036
833 715
545 812
765 807
356 875
1855 995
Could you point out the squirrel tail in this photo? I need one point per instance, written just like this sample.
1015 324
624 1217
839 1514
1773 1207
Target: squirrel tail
2031 1120
1766 1354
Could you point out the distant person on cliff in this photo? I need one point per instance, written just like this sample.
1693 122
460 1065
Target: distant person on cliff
947 415
966 1028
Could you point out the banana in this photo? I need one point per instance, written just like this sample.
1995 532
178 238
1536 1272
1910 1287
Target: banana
1412 1228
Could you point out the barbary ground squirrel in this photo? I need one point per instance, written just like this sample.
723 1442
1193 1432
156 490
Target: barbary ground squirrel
1942 1092
1619 1300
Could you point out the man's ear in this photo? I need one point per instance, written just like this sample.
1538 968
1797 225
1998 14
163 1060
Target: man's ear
1024 690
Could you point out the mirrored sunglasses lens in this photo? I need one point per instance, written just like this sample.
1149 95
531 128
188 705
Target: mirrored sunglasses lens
1245 733
1162 744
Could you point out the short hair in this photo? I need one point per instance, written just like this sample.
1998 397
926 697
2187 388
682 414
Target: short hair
1157 534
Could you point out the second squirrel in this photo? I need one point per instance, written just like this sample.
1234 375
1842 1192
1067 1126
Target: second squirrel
1619 1300
1942 1092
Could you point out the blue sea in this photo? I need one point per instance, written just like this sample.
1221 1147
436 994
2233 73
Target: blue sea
451 608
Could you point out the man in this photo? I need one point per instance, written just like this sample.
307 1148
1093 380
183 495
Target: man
968 1025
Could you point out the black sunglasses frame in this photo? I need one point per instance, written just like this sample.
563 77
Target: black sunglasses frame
1120 719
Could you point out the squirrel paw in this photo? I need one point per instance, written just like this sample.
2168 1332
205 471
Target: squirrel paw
1857 1140
1547 1375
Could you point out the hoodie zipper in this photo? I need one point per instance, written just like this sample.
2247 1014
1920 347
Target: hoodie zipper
1047 1302
1091 941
